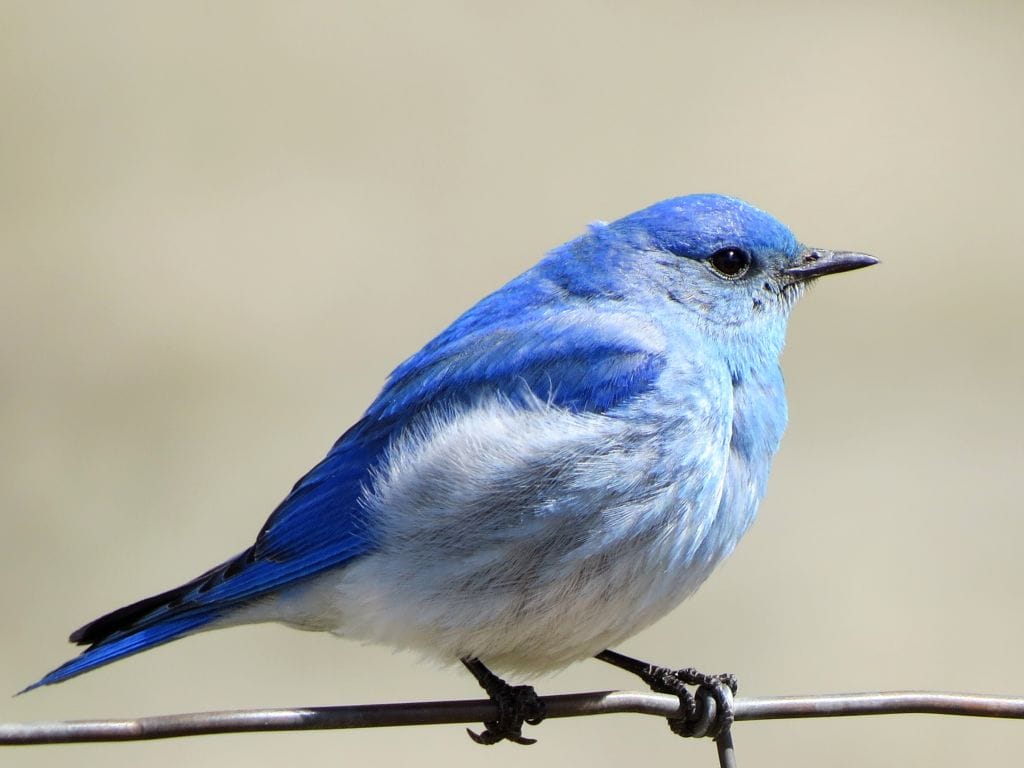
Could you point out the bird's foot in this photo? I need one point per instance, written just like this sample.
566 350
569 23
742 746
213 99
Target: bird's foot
517 704
705 712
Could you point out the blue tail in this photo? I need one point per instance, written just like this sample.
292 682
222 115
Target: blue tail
126 644
318 526
151 622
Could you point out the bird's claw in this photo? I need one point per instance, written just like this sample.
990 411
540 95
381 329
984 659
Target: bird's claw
516 705
708 711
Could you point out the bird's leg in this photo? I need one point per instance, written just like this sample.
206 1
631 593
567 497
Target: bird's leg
517 704
708 713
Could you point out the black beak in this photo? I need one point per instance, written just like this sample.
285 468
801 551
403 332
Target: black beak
816 262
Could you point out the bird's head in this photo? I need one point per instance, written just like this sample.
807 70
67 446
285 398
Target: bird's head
735 268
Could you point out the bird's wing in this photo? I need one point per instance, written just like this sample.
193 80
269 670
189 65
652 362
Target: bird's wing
581 359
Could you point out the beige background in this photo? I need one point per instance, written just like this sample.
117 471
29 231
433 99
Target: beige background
221 225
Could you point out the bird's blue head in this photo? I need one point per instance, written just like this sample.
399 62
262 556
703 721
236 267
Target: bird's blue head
696 226
734 268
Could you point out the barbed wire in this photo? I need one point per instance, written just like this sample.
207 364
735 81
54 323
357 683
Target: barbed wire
478 710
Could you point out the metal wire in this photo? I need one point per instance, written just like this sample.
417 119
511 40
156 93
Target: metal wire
567 705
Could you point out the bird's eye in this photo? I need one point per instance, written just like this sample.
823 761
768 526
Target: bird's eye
730 262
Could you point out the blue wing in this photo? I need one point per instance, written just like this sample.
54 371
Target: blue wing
512 343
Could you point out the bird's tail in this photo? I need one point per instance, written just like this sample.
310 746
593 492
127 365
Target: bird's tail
125 644
146 624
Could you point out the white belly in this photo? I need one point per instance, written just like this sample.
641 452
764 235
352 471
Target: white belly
528 538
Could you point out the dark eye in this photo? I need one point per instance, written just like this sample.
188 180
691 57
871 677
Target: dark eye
730 262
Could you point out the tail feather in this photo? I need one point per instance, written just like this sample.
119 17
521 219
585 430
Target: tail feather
128 617
148 623
156 608
127 644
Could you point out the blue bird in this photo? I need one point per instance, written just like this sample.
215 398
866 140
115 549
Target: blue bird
556 470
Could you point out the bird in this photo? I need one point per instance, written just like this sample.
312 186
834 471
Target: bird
556 470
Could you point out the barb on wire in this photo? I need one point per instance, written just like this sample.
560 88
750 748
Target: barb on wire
440 712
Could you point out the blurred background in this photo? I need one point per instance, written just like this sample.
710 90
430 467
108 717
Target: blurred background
222 224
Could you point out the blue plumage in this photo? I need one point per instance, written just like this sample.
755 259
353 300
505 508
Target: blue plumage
556 469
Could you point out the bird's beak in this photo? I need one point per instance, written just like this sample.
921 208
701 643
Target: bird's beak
815 262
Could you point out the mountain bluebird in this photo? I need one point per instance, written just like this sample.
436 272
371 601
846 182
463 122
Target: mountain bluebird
556 470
